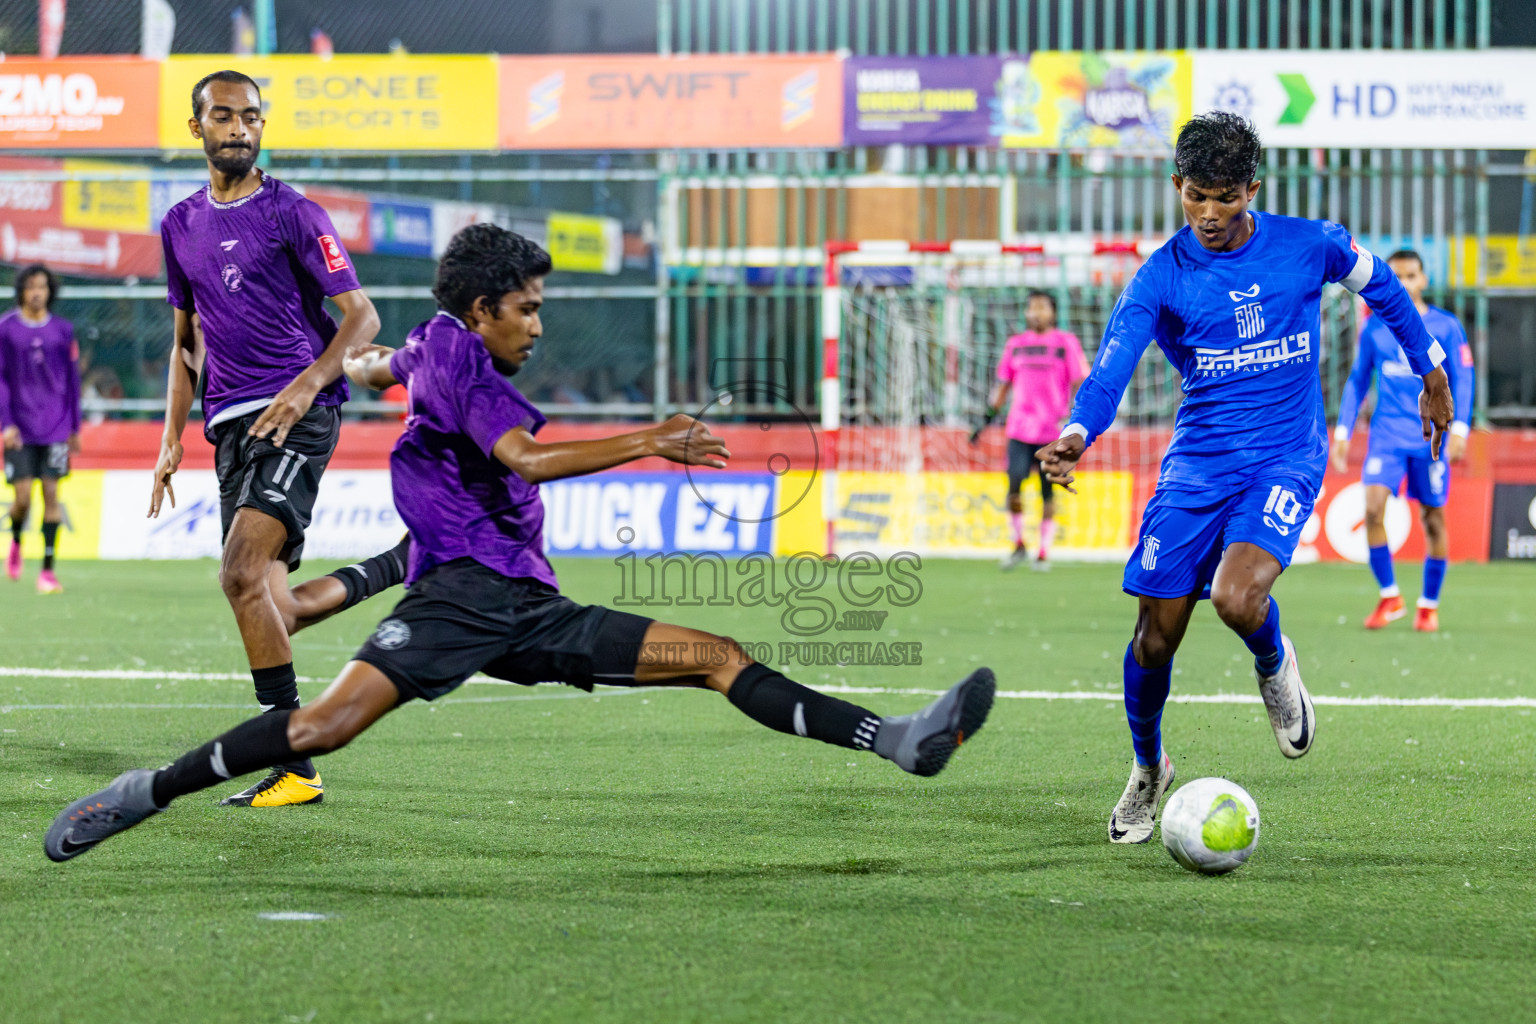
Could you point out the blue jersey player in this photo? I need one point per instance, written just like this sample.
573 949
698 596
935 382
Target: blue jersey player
1233 301
1397 446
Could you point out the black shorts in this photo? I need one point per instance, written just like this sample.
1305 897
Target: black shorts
281 482
37 460
1021 463
461 618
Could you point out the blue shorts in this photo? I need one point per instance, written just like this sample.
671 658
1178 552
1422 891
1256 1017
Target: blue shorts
1429 480
1179 548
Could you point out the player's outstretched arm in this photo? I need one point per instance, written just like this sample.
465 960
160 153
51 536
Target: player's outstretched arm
359 326
182 368
1355 389
680 439
369 367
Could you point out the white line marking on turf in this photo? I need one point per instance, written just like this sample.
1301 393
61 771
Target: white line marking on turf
292 915
1108 696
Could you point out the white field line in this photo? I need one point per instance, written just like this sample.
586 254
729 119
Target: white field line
1106 696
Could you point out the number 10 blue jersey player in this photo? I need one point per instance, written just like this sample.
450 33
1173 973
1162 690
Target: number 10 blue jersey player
1233 301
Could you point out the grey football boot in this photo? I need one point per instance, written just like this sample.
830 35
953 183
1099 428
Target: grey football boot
923 741
91 819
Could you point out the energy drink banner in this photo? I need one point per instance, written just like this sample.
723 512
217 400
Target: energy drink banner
1134 102
634 102
371 102
1376 98
95 103
940 101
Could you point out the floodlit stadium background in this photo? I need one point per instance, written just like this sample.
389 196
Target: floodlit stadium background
689 203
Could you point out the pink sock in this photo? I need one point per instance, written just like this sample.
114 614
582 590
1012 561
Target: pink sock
1047 534
1016 519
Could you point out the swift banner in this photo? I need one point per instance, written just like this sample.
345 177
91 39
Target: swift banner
631 102
1376 98
78 104
1066 100
940 101
374 102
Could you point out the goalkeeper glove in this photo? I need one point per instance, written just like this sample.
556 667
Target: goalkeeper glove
986 421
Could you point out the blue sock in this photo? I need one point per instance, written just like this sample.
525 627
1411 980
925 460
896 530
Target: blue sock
1146 691
1434 575
1264 642
1381 567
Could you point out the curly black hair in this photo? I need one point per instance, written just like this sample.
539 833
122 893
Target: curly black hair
1407 254
27 273
1218 148
489 260
232 77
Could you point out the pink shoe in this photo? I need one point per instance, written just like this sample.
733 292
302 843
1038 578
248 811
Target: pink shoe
13 562
48 583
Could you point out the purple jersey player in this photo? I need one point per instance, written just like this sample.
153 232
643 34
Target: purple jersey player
249 263
39 410
466 476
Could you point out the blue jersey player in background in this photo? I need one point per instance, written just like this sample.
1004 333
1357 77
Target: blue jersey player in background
1233 300
1397 447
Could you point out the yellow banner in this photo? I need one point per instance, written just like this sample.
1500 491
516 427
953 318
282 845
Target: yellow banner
590 245
371 102
1511 261
80 535
1127 101
105 205
956 515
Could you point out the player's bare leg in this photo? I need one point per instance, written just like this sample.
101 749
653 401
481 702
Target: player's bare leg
1042 560
1437 548
1160 626
1016 526
53 516
1240 594
21 505
920 743
1389 605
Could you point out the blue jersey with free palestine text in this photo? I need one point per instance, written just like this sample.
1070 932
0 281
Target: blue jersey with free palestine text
1242 329
1395 423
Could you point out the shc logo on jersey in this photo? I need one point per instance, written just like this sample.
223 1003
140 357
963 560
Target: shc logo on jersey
335 259
1250 315
1149 553
232 276
1285 507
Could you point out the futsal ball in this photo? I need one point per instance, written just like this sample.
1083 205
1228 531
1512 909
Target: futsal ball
1211 826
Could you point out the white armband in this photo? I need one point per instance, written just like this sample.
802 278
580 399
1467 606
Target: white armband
1460 429
1342 433
1359 277
1075 428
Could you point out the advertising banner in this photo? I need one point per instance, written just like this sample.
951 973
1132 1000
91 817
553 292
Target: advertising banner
367 102
588 245
1336 530
82 251
97 103
1133 102
399 228
450 217
638 102
938 101
1413 99
610 513
349 213
106 205
1514 522
1511 261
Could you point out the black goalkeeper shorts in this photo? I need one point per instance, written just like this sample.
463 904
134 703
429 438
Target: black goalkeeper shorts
461 618
1021 463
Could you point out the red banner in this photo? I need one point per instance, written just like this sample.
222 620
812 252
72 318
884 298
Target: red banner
94 103
79 250
634 102
349 213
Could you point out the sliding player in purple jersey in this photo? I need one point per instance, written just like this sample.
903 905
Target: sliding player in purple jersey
254 261
1233 301
482 595
1396 448
39 410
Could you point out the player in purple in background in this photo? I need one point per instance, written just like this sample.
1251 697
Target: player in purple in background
482 596
39 410
254 261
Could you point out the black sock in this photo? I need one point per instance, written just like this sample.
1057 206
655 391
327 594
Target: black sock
50 539
278 691
16 524
374 575
768 697
248 747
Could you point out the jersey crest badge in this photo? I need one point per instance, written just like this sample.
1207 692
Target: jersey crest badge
335 259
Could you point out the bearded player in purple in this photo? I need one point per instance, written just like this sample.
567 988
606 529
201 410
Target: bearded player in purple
254 261
1233 300
482 596
39 410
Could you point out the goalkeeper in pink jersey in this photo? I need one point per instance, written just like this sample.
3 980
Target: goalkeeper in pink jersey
1043 366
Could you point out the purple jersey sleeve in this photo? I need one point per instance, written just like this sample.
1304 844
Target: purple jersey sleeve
177 292
7 418
404 361
311 237
488 406
72 383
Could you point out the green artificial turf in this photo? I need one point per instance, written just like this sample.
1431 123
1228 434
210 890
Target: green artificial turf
530 855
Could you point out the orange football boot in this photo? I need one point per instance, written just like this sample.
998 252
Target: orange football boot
1427 620
1390 609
